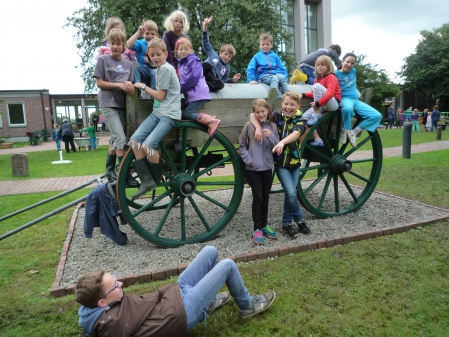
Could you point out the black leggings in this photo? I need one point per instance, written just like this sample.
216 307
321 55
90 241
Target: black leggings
260 182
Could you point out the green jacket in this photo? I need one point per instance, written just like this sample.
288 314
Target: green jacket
91 131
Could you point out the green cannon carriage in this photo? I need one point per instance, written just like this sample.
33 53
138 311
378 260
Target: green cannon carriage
183 210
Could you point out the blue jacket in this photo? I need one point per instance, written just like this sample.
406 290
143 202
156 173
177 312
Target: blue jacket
258 156
191 79
220 69
391 114
265 64
101 211
435 116
56 134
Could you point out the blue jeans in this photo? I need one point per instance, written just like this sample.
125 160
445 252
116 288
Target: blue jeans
58 145
92 143
202 280
190 111
309 72
145 75
152 130
370 116
434 126
289 176
277 81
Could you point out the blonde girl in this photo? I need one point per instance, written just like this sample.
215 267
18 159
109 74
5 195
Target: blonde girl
177 25
259 161
111 23
325 93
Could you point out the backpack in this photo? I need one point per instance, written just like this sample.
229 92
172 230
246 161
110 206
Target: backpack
212 81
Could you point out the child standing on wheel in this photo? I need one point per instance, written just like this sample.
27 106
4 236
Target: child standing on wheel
166 114
259 166
287 162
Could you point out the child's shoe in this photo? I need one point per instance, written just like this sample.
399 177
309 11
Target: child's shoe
260 303
313 119
258 238
269 232
302 227
317 142
352 137
289 230
220 299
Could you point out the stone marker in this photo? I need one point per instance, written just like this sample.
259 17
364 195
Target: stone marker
19 165
439 128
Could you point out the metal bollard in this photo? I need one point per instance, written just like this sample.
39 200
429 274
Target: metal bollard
439 129
407 141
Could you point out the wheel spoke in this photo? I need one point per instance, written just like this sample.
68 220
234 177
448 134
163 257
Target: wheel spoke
212 200
363 160
183 153
200 215
318 179
349 188
168 158
315 151
164 217
213 183
336 194
200 155
183 220
315 167
153 202
211 167
360 177
324 192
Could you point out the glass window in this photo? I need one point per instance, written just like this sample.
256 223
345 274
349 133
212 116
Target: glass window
288 24
16 114
311 27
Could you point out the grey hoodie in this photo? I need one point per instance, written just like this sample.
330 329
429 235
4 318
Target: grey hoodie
258 156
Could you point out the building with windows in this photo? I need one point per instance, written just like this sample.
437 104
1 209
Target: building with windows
310 22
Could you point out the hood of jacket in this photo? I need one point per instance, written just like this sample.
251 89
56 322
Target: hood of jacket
88 317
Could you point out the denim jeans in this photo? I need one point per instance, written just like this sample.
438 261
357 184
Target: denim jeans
434 126
58 145
277 81
145 75
289 176
115 118
202 280
152 130
92 143
309 72
190 111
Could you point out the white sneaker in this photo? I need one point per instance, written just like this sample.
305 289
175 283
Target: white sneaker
352 137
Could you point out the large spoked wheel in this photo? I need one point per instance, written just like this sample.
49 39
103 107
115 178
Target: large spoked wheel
181 210
338 179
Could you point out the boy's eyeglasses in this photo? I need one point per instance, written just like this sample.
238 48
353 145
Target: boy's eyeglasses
110 291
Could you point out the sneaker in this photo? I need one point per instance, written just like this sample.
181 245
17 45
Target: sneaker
352 137
258 238
288 228
313 119
260 303
302 227
220 299
269 232
317 142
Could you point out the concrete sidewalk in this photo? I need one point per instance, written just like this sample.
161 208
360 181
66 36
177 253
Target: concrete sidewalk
13 187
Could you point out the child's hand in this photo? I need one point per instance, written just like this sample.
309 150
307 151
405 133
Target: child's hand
278 148
142 27
236 77
258 135
253 82
266 133
128 87
206 23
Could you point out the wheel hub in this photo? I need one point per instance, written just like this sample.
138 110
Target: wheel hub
340 164
184 185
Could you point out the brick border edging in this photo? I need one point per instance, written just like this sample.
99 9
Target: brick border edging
161 274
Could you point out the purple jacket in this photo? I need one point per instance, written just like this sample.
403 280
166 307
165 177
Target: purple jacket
193 84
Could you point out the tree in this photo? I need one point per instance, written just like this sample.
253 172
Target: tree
426 70
368 76
237 22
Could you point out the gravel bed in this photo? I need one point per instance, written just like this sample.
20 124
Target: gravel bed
139 255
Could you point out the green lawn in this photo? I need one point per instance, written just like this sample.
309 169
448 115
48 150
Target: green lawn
389 286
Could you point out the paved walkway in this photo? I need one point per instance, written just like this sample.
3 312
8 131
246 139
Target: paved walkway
61 184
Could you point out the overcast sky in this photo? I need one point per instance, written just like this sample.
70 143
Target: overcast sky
40 54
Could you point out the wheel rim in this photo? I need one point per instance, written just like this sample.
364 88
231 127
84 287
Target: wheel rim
338 179
179 212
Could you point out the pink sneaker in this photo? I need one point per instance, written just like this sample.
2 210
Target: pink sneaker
258 237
